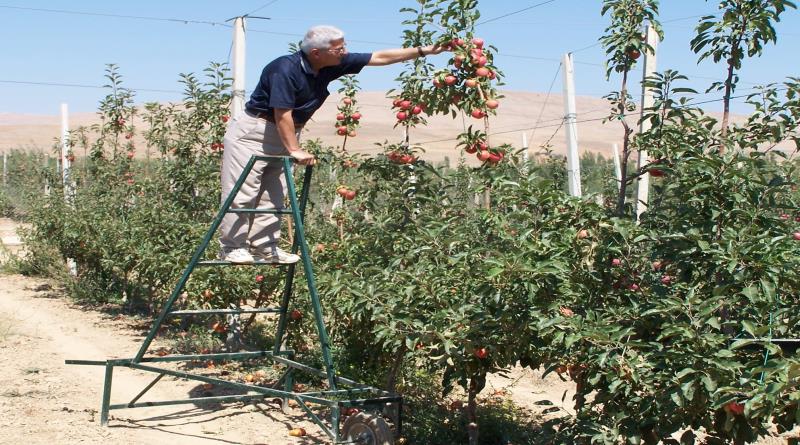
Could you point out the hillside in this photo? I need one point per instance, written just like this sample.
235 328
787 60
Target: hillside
518 112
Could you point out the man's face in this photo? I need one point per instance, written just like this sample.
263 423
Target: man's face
333 55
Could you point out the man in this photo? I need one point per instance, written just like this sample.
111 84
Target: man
290 90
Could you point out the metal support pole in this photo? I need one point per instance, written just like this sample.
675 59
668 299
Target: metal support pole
237 98
643 189
106 395
570 121
5 169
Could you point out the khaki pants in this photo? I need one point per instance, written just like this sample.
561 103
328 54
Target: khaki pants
265 186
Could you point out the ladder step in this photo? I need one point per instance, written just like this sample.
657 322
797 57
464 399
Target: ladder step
228 263
272 211
258 310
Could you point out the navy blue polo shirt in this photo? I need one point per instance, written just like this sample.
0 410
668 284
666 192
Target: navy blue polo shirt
290 82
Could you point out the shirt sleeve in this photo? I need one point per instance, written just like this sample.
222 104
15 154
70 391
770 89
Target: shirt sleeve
282 90
352 63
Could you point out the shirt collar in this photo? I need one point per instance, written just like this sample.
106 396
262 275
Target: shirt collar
306 65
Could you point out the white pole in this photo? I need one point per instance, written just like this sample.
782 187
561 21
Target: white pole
643 190
66 173
617 165
570 120
525 155
66 163
5 168
237 99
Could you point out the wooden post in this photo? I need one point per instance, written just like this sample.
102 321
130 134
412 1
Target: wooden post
643 188
570 122
237 98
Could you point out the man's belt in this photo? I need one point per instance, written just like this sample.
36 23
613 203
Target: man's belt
267 117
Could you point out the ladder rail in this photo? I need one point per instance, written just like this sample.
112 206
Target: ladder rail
298 212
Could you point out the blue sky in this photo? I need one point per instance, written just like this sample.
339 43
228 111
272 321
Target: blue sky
73 48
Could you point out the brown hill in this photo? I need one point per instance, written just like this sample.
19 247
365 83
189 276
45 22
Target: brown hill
519 112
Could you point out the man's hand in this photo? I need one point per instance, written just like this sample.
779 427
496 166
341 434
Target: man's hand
303 157
435 49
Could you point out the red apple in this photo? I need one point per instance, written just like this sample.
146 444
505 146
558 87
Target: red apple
481 353
796 236
483 155
340 117
295 315
356 116
347 101
477 42
405 104
482 71
472 83
492 104
735 408
350 195
401 115
477 113
416 110
450 80
616 262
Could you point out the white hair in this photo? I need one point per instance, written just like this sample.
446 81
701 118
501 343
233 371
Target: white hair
320 37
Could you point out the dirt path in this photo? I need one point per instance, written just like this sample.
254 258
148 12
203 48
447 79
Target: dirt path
44 401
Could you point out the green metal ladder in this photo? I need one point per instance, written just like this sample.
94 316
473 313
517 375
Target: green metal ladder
361 428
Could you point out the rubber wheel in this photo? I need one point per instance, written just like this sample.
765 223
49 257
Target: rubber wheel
366 429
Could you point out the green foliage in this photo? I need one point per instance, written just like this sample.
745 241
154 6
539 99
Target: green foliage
623 36
432 278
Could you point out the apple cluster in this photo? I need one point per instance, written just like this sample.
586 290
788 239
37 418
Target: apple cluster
346 192
399 157
484 153
407 111
469 79
347 118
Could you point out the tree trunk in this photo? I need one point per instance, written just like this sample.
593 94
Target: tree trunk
391 380
625 146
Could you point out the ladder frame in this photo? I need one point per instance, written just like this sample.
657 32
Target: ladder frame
357 395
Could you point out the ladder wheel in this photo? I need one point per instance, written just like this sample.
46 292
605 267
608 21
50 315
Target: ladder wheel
366 429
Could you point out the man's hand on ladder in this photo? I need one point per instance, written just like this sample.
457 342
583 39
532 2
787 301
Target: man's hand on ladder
303 157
